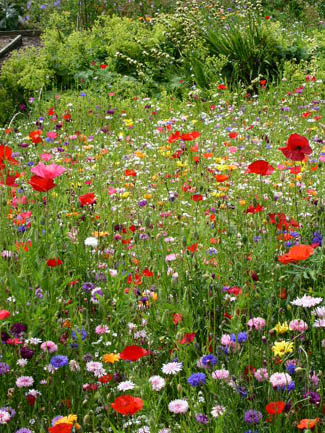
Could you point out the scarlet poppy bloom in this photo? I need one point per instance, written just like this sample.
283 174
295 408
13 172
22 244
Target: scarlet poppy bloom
177 318
130 173
190 137
295 170
282 221
52 263
297 148
275 407
222 87
61 428
36 136
106 378
41 184
127 405
51 111
5 155
233 135
133 353
4 314
221 177
197 197
251 209
103 66
192 248
9 180
87 199
147 273
174 137
296 254
307 423
263 168
187 339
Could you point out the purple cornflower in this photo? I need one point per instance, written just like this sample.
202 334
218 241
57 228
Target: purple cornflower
87 287
24 430
209 360
4 368
202 419
197 379
252 416
242 337
59 361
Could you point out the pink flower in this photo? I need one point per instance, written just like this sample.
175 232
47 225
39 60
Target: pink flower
48 171
220 374
102 329
178 406
226 340
306 301
170 258
4 417
24 381
298 325
280 379
261 375
218 411
46 156
257 323
52 135
157 382
49 346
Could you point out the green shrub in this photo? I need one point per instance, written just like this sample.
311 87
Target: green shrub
6 105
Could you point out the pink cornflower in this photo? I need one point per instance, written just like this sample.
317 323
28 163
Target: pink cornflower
257 323
298 325
261 375
178 406
280 379
218 411
220 374
172 368
96 368
170 258
49 346
4 417
306 301
226 340
157 382
24 381
126 385
102 329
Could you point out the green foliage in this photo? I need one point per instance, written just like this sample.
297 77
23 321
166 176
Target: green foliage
6 105
9 15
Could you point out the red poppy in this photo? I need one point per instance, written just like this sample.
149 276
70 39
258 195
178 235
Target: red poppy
106 378
253 210
67 117
127 405
262 82
51 111
36 136
4 314
9 180
147 273
233 135
41 184
174 137
87 199
5 155
297 148
295 170
282 221
103 66
275 407
197 197
177 318
190 137
61 428
192 248
222 87
30 399
235 291
52 263
221 177
133 353
187 339
130 173
267 17
297 253
307 423
263 168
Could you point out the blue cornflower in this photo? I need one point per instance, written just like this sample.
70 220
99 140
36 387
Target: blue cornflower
317 238
233 338
81 332
197 379
291 368
242 337
208 360
59 361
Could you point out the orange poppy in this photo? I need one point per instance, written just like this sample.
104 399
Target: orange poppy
127 405
307 423
221 177
296 254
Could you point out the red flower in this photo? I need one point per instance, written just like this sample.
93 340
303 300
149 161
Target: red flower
267 17
233 135
222 87
5 155
263 168
130 173
147 273
51 111
61 428
174 137
190 137
4 314
262 82
103 66
297 253
127 405
197 197
282 221
106 378
36 136
52 263
41 184
177 318
221 177
188 338
251 209
133 353
297 148
192 248
307 423
295 170
275 407
87 199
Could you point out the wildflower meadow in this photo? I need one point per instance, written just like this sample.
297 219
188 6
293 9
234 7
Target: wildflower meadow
162 262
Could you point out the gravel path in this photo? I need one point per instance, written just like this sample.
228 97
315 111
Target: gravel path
27 42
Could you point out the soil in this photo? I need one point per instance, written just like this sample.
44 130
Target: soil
27 41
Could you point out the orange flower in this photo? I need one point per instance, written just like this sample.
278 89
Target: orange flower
307 423
297 254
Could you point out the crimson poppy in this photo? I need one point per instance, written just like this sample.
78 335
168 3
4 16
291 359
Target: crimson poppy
133 353
4 314
187 339
36 136
174 137
297 148
263 168
61 428
233 135
190 137
5 155
192 248
282 221
130 173
295 170
127 405
275 407
177 318
221 177
87 199
197 197
253 210
147 273
222 87
296 254
52 263
41 184
106 378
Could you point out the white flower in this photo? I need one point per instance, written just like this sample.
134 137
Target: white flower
178 406
22 362
320 312
172 368
91 242
218 411
306 301
319 323
126 385
157 382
